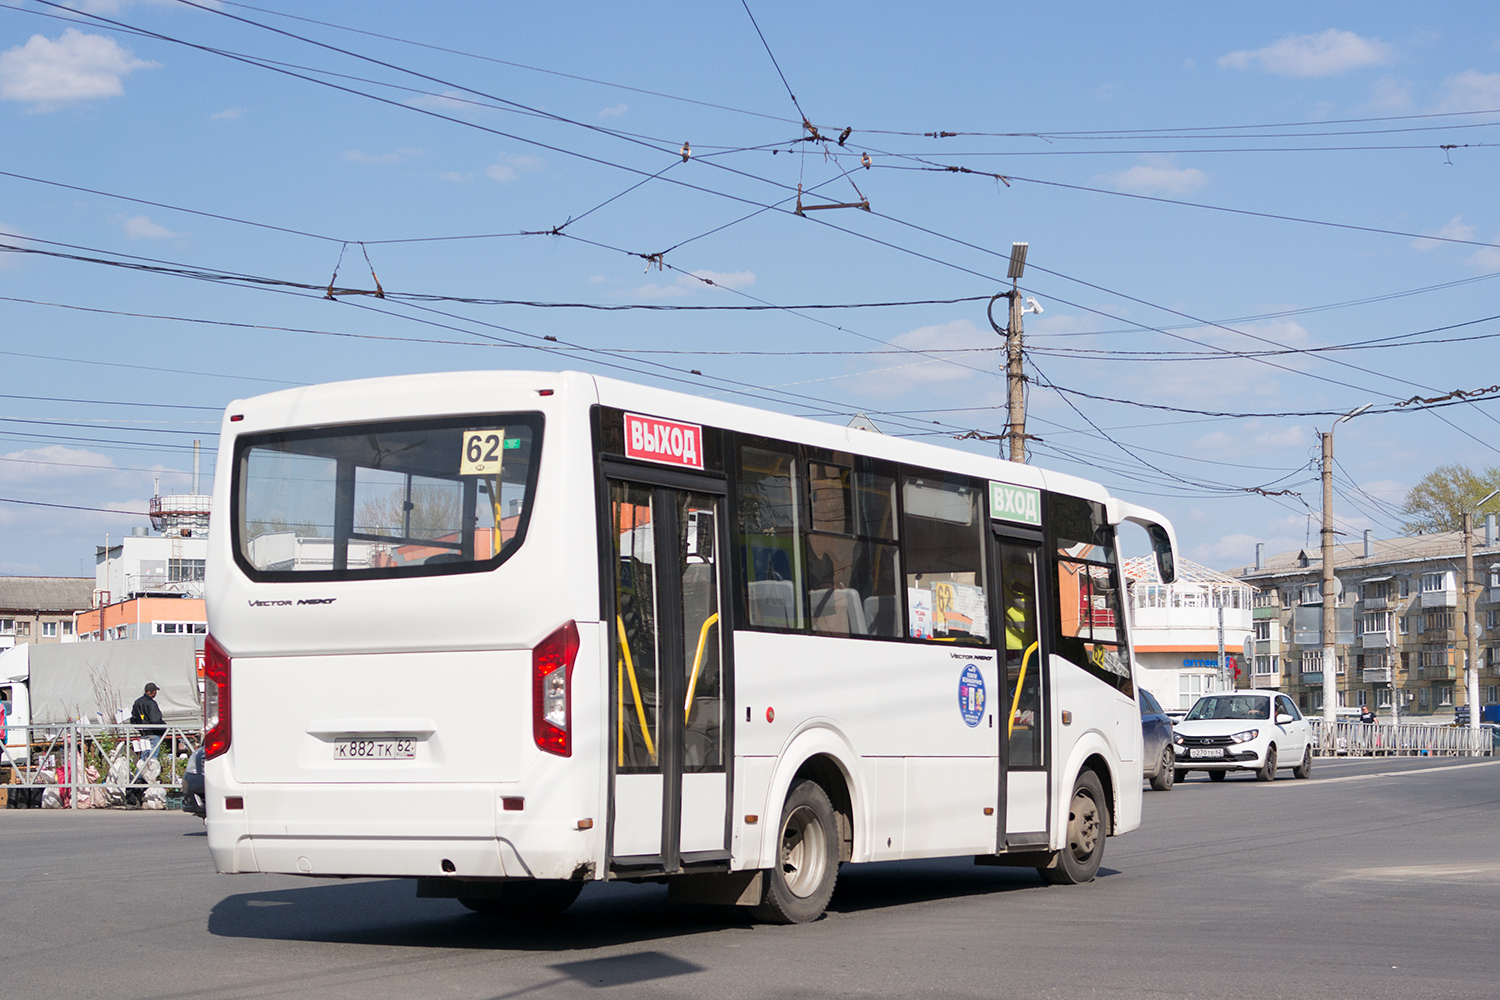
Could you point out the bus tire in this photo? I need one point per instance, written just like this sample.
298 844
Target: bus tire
1166 773
521 900
798 888
1088 825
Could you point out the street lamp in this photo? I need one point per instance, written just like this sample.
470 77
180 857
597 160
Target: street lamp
1330 625
1471 650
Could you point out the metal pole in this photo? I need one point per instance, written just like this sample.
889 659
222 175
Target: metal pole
1330 624
1224 682
1016 378
1471 650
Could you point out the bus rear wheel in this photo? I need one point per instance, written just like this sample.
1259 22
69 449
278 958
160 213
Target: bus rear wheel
1088 824
798 888
522 900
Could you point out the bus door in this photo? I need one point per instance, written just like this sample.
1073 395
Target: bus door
1023 739
668 684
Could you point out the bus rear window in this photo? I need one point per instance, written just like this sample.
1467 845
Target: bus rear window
401 498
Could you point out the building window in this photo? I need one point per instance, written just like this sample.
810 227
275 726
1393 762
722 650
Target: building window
1444 694
1435 581
1362 697
1342 698
184 570
1403 625
1265 665
1405 587
1421 697
1490 693
1490 618
7 626
67 628
1263 631
1312 593
1264 599
49 630
1383 697
179 628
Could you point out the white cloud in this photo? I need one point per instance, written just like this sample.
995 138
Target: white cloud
1229 550
1486 258
10 259
1388 94
1157 175
688 283
1470 91
139 227
227 115
397 156
48 74
1290 437
614 112
455 177
1327 53
510 166
448 101
1453 230
724 279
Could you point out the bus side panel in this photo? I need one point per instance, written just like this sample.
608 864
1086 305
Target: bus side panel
929 774
1104 721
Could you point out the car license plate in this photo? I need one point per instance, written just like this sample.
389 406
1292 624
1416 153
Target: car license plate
374 749
1206 752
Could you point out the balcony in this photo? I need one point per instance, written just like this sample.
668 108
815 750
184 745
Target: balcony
1312 677
1381 603
1377 640
1266 681
1440 598
1376 675
1441 672
1259 614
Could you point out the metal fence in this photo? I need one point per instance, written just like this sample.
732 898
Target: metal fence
86 766
1357 739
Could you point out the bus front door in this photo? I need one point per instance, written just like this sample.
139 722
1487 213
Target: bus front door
669 733
1024 780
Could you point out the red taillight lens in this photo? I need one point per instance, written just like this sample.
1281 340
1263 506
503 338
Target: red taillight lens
215 699
552 690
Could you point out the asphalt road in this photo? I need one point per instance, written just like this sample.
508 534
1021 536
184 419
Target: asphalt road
1376 878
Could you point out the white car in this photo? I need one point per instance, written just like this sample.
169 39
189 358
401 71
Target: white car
1257 731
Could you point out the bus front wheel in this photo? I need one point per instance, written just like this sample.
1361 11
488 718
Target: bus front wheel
1088 824
798 888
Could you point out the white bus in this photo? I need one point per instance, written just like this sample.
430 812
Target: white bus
507 633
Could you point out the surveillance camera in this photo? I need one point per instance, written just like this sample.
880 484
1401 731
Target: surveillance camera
1032 305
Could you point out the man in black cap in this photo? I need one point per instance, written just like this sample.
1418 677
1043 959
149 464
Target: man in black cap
145 715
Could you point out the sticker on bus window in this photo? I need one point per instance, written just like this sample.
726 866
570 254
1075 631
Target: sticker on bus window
971 695
482 452
665 441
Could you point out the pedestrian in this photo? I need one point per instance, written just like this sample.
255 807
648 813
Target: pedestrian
1367 715
145 715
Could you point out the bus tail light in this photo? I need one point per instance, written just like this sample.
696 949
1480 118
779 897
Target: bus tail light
215 699
552 690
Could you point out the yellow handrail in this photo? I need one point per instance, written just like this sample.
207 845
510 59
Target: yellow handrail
635 689
1020 679
687 706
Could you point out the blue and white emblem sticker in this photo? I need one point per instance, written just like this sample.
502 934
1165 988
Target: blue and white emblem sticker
971 695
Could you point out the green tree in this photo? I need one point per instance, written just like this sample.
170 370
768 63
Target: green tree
1438 502
434 512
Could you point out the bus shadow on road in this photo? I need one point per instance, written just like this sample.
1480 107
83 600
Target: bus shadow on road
387 912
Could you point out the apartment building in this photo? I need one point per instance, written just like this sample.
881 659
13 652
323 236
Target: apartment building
1175 627
41 608
1401 635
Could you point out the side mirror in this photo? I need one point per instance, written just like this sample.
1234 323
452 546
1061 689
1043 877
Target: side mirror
1161 545
1282 718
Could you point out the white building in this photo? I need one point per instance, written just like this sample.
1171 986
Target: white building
1175 630
169 564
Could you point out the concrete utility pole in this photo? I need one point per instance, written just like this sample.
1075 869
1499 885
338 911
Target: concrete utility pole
1471 649
1014 374
1224 680
1330 598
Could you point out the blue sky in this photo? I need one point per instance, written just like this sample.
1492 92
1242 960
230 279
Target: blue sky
1318 126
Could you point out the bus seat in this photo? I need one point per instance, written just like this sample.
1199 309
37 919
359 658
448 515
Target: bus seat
880 614
773 602
838 610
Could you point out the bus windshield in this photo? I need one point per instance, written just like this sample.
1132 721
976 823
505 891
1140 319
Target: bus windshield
398 498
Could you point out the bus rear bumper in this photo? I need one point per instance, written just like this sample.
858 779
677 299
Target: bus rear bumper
352 831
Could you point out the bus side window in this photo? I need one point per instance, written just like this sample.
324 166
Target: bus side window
1090 615
852 580
942 530
771 524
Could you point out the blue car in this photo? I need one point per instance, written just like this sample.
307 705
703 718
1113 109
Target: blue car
1156 738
